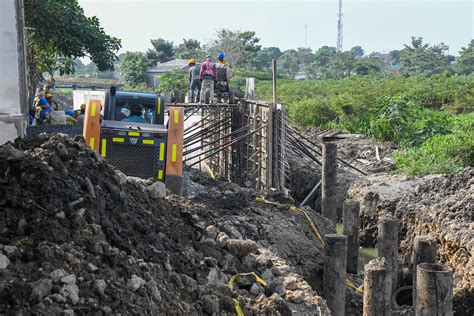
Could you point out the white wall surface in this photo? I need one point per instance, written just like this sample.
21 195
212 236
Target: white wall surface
9 60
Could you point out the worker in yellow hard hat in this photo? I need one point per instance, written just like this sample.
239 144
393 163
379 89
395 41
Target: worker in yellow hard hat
49 97
194 80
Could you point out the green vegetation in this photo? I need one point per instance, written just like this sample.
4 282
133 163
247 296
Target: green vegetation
417 113
57 33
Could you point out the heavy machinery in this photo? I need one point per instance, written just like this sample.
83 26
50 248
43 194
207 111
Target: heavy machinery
149 145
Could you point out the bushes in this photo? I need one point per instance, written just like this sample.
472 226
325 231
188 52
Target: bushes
416 113
447 153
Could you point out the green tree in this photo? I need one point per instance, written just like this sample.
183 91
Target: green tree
341 65
394 57
162 51
240 48
133 68
190 48
289 62
324 55
465 61
422 59
305 56
263 59
174 82
58 32
368 66
357 51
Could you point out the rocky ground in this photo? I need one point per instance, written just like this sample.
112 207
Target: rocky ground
79 237
437 205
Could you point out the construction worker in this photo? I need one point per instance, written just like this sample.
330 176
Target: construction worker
136 114
223 75
43 111
49 97
208 75
80 117
194 80
223 64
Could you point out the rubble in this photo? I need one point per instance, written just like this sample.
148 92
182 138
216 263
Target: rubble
82 238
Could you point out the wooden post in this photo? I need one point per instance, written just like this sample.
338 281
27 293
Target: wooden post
350 228
377 288
388 245
434 289
329 182
424 251
334 273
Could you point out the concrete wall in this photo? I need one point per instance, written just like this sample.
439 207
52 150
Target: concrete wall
13 105
81 96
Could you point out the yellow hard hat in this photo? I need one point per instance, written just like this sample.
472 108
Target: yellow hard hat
48 95
83 106
191 61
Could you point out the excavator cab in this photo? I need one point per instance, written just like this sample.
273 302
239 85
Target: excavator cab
134 142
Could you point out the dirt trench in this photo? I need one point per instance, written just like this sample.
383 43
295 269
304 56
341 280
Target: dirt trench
437 205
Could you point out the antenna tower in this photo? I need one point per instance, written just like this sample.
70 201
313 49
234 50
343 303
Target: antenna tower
339 28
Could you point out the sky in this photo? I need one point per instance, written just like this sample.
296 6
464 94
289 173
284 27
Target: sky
376 25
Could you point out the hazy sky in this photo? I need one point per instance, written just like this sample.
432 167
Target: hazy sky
377 25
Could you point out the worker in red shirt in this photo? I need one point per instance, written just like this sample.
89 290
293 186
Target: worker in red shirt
208 76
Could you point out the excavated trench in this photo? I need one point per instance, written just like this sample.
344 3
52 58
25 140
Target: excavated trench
439 206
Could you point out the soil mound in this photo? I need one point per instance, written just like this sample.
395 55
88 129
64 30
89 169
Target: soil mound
77 236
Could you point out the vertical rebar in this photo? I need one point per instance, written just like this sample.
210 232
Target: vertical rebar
329 182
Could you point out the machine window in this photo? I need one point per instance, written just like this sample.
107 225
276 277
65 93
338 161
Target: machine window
135 108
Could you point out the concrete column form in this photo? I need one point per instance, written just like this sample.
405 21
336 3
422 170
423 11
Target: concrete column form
377 288
388 245
434 289
334 275
424 251
350 228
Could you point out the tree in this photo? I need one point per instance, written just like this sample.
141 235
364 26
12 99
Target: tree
133 68
394 57
162 51
324 55
240 47
263 59
423 59
174 82
58 32
305 56
368 66
465 61
357 51
289 62
190 48
341 65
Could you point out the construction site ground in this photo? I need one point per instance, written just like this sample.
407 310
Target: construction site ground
79 237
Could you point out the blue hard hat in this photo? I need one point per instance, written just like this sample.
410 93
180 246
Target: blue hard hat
221 55
43 101
69 112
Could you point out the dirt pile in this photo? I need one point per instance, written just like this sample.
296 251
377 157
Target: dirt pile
440 206
77 236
